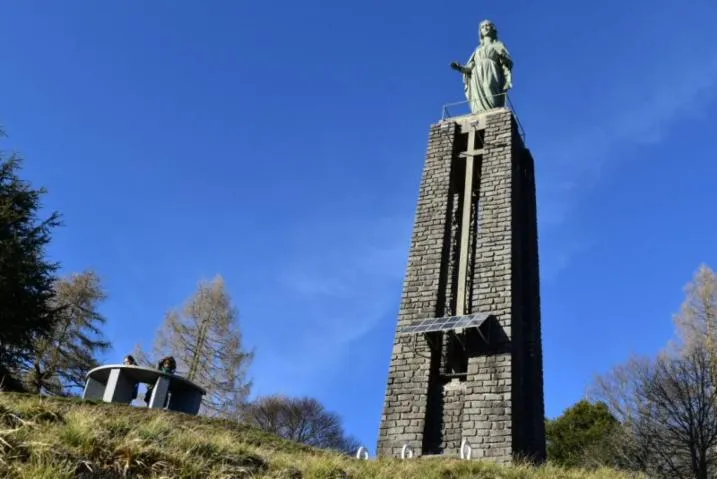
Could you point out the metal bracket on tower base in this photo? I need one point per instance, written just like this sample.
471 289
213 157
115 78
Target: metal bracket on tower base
485 337
406 452
362 453
459 335
466 450
430 340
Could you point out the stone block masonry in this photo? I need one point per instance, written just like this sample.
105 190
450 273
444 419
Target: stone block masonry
450 385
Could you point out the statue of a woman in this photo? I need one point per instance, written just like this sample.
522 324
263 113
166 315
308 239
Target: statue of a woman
487 76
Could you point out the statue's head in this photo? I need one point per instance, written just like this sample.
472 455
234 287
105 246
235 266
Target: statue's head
487 29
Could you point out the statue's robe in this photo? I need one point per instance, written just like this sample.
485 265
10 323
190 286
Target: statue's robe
485 84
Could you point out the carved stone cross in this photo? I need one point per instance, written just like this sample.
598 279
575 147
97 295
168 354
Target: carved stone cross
470 155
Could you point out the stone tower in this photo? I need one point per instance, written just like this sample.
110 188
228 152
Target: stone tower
467 357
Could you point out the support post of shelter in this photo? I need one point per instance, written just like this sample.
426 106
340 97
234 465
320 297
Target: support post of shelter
188 401
94 390
119 388
159 393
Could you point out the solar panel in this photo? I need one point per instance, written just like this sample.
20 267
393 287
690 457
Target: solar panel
444 324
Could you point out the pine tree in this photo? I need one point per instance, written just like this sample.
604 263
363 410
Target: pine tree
26 276
206 342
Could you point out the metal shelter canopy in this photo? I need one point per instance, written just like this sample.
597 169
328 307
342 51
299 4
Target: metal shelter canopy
444 324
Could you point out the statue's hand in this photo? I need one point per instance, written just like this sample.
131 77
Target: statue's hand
508 85
457 66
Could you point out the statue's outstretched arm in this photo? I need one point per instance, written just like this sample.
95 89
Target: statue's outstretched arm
468 68
465 69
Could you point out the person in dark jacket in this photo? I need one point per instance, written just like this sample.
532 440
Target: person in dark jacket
167 365
129 361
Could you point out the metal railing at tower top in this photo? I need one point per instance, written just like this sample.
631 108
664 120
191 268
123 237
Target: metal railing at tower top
462 108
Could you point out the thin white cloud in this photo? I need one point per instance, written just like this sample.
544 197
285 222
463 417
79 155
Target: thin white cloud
311 284
572 165
340 278
549 270
677 94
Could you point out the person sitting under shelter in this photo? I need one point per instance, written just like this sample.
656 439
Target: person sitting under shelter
130 361
166 365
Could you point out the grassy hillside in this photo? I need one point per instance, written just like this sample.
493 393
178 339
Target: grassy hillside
64 438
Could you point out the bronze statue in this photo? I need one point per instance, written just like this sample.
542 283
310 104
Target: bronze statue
487 76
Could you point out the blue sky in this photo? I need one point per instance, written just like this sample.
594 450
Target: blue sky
280 144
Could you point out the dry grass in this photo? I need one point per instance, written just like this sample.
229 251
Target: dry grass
65 438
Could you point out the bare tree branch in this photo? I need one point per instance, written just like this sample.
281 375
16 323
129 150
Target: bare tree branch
205 340
303 420
60 360
668 405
